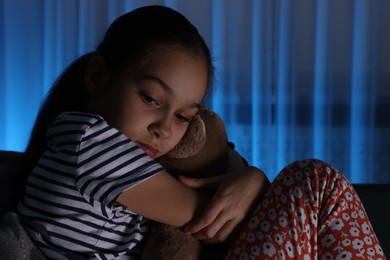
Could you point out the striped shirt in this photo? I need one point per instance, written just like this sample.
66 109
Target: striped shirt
70 206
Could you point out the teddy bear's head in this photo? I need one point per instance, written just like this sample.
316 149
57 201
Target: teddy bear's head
203 150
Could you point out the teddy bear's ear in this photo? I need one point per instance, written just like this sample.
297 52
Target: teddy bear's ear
192 141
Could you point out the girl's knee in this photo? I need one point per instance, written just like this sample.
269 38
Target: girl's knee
312 176
313 169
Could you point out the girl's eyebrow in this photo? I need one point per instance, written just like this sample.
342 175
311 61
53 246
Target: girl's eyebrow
160 83
166 87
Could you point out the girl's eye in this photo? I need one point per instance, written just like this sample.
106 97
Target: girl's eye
148 99
183 119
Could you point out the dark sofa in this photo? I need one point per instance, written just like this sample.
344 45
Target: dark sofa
375 197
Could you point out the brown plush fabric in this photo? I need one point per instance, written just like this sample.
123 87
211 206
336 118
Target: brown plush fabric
168 243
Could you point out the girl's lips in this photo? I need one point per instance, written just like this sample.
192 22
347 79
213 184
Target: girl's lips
151 151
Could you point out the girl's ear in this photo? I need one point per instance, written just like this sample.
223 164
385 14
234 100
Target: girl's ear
95 75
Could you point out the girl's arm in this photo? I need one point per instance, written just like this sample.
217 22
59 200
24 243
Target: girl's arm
164 199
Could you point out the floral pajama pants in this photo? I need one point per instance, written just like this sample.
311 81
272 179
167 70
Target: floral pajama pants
311 211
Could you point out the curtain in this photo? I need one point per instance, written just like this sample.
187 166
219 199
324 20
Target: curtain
294 79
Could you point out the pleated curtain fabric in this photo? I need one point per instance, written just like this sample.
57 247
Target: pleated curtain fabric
294 78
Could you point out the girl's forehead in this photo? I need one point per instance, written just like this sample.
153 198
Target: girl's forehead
160 54
174 63
164 51
183 73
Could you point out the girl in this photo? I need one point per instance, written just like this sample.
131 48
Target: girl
93 182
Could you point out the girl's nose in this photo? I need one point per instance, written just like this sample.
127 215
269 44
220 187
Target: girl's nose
161 128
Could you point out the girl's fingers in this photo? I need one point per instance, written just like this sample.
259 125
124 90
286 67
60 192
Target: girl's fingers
217 233
206 218
223 233
210 231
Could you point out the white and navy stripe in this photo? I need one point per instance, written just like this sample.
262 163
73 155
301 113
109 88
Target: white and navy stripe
69 207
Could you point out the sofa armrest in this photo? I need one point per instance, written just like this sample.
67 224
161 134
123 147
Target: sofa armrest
9 180
375 198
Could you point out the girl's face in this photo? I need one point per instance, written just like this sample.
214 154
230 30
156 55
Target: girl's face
153 107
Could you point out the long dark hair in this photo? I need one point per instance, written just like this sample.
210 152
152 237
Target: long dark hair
128 42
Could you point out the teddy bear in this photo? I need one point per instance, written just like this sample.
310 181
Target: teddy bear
204 151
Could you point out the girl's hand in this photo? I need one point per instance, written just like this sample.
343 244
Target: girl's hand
235 194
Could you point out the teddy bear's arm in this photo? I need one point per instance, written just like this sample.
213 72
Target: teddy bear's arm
166 242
